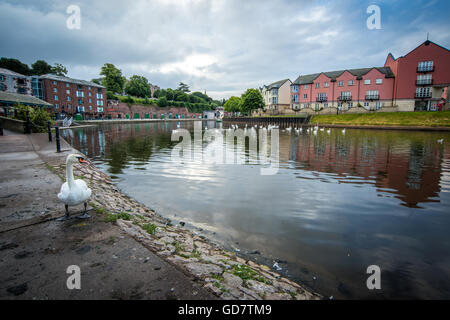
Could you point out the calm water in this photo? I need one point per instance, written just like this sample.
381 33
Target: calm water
337 205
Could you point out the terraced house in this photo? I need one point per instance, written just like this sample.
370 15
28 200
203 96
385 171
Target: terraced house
417 81
276 96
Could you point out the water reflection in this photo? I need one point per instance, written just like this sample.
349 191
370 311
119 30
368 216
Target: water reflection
338 204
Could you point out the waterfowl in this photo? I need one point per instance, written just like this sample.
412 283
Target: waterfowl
74 192
440 141
343 131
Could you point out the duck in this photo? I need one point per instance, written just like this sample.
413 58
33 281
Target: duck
74 192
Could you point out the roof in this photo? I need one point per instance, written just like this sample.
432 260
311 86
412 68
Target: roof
309 78
70 80
277 84
22 98
11 73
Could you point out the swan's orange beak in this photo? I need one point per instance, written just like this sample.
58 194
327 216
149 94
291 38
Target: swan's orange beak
81 160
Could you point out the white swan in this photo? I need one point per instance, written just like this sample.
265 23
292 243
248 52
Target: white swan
440 141
74 192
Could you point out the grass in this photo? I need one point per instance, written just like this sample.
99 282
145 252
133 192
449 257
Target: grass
111 217
246 273
150 228
421 119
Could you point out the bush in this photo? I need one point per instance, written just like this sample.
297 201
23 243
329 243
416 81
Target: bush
111 96
39 117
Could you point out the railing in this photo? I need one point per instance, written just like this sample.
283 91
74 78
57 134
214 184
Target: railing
372 97
425 69
321 99
424 82
345 98
423 95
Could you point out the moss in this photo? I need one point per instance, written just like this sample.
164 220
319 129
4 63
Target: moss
150 228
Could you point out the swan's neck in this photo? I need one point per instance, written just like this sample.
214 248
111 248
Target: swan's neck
69 175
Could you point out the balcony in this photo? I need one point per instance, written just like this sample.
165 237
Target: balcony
424 82
423 95
372 97
321 99
425 69
344 98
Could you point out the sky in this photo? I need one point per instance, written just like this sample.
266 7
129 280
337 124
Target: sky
222 47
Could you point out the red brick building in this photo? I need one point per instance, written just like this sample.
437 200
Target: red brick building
416 81
422 78
72 97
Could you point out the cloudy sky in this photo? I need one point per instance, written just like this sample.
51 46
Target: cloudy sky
221 46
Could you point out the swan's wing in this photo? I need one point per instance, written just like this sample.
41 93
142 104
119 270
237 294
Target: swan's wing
64 192
81 185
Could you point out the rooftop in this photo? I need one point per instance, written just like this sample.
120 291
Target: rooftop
70 80
309 78
277 84
11 73
8 97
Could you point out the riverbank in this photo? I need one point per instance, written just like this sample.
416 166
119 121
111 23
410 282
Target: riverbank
209 271
391 120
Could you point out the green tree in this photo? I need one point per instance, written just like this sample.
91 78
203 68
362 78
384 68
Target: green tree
252 99
156 94
162 102
112 78
15 65
59 70
98 81
138 86
183 87
40 67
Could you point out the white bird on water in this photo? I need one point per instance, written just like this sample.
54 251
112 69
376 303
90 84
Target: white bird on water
329 131
440 141
74 192
343 131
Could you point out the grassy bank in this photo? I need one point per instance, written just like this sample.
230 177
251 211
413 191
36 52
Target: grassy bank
419 119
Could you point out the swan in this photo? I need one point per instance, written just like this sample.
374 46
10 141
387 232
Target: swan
440 141
329 131
343 131
74 192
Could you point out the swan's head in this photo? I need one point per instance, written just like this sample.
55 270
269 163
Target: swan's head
75 158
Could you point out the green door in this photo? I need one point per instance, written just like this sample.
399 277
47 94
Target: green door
170 115
182 116
147 116
162 115
127 116
154 116
137 116
78 117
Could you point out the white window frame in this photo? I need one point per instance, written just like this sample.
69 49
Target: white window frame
379 81
367 81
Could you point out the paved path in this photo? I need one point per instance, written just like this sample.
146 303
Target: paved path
35 250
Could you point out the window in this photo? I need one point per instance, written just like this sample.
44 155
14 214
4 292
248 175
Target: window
90 100
305 86
425 66
317 85
80 94
350 104
305 96
424 79
325 105
90 94
90 108
433 106
316 106
295 98
295 88
99 109
80 101
67 84
55 90
55 98
351 82
366 104
339 105
68 106
340 83
2 78
345 95
56 106
100 96
423 92
54 82
22 90
377 105
372 94
367 81
67 91
326 84
322 97
100 102
68 98
89 87
379 81
2 87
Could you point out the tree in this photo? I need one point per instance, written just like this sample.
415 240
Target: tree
156 94
252 99
232 104
98 81
40 67
183 87
59 70
112 78
162 102
15 65
138 86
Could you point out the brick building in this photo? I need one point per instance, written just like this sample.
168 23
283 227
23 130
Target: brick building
14 82
72 97
415 82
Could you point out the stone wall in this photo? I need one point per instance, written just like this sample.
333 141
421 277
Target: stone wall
12 124
116 109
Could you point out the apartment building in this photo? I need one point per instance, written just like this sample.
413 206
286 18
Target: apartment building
276 96
417 81
422 78
78 98
14 82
